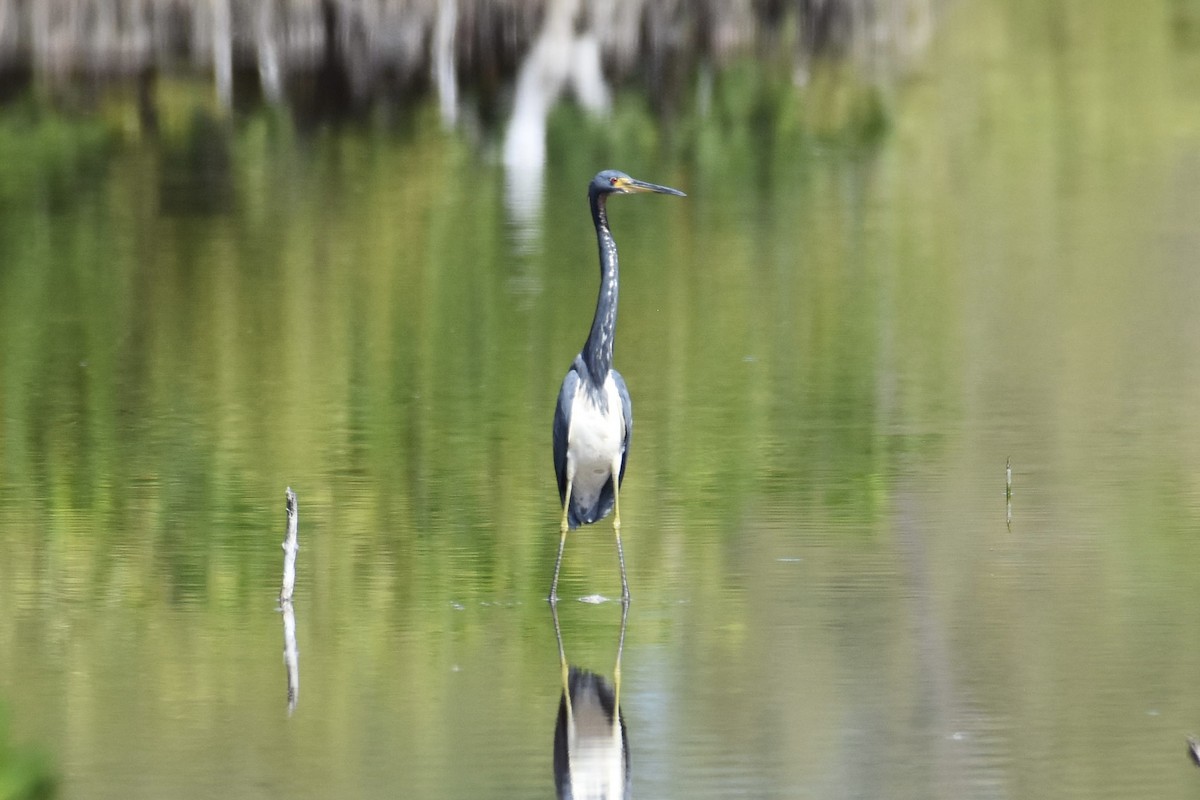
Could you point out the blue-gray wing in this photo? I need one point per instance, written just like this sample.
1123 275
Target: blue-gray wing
562 426
627 413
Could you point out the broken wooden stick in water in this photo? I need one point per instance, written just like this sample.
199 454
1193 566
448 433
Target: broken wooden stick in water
290 546
291 654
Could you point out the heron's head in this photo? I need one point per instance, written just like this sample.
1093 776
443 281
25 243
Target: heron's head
610 181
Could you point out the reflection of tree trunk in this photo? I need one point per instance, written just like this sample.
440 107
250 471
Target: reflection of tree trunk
222 52
445 78
268 53
561 55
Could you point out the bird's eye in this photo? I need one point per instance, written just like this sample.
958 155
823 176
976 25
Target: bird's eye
612 181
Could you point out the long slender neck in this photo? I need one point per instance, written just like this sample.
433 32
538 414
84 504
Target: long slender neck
598 349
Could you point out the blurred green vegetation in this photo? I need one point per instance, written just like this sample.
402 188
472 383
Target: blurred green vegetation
48 157
23 775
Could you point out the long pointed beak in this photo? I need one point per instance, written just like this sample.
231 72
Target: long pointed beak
634 185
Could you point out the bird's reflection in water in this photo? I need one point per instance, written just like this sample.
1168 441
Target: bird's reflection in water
591 751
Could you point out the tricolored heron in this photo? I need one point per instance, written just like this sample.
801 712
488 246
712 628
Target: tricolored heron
594 416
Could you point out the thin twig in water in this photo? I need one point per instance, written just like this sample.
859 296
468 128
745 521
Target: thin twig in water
1008 491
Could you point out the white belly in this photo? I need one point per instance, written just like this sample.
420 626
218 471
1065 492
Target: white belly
595 443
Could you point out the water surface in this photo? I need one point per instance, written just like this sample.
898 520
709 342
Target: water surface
834 345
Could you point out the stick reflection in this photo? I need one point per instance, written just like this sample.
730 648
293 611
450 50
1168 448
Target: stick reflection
291 655
591 751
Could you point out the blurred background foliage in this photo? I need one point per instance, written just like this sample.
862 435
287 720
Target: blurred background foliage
23 775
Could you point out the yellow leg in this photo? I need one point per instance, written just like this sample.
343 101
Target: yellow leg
562 542
617 532
616 508
566 504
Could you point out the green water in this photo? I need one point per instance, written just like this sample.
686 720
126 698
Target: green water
860 312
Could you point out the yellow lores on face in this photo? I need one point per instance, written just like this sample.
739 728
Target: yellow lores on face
623 184
627 186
